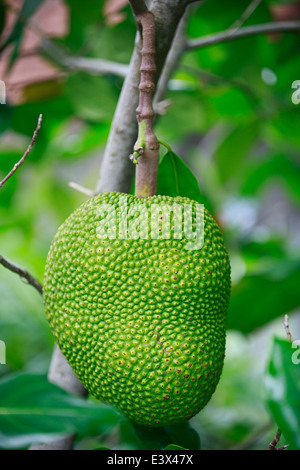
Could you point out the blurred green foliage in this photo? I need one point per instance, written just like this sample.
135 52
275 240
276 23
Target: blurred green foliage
283 390
233 123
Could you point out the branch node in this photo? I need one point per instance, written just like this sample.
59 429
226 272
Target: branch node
147 143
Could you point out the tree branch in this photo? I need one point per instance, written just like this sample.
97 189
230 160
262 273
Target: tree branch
83 64
22 273
60 372
147 145
60 56
274 442
116 170
213 78
29 148
223 36
173 58
245 15
81 189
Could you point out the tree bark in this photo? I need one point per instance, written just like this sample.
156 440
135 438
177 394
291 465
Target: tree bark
116 170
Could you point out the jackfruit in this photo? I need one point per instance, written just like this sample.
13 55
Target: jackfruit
138 306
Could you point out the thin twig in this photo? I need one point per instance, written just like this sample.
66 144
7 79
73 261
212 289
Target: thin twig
29 148
61 55
213 78
3 261
22 273
245 15
287 328
63 58
223 36
81 189
274 442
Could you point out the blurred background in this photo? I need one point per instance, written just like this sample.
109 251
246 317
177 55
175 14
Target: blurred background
229 116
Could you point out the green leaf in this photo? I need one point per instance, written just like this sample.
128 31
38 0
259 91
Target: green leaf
259 297
93 98
278 168
232 103
189 115
285 124
28 9
5 117
91 12
283 391
174 447
176 179
234 148
32 410
182 434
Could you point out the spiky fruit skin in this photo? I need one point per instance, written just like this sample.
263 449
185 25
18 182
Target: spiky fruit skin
141 321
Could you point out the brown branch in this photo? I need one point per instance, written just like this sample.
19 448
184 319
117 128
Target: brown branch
147 145
223 36
3 261
274 442
22 273
116 171
29 148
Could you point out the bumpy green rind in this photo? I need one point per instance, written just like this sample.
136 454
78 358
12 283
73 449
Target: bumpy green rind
142 322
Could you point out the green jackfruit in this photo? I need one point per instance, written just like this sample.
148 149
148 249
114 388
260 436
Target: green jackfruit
139 308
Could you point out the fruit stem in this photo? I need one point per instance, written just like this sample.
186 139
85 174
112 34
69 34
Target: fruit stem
146 148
